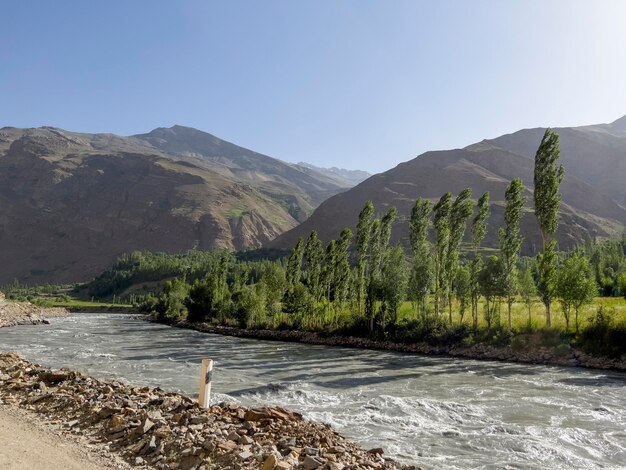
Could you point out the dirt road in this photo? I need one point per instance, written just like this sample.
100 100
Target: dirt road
26 444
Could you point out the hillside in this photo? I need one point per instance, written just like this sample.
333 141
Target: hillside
348 177
593 190
71 202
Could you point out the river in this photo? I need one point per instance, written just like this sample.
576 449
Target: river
431 411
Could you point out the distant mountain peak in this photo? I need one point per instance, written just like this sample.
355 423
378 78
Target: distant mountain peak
351 176
620 123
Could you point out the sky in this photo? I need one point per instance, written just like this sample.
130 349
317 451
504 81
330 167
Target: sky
357 84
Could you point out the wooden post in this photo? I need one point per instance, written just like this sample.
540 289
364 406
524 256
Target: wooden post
206 371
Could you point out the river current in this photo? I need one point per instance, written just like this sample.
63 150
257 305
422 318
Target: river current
431 411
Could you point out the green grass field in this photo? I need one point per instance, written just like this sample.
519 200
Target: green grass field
519 313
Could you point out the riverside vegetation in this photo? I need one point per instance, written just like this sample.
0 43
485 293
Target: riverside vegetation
445 292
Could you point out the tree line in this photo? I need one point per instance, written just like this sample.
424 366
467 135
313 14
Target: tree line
360 283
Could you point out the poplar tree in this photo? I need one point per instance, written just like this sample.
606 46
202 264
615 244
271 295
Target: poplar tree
394 282
342 272
422 274
547 179
379 244
528 291
363 236
442 239
294 265
460 211
313 257
374 258
479 230
511 240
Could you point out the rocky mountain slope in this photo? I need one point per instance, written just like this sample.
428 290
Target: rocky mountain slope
349 177
594 193
70 203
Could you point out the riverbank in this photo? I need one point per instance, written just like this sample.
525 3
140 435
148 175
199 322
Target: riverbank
528 348
25 313
150 427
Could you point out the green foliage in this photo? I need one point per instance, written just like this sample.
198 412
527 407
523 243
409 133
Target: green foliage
313 258
463 289
622 283
608 260
275 286
421 278
363 238
139 267
527 290
394 282
492 287
604 336
575 286
294 265
547 274
547 179
170 303
460 211
479 230
442 242
511 240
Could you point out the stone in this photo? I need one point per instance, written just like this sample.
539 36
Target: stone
310 463
245 455
335 466
145 426
270 462
115 421
246 440
254 415
376 450
336 450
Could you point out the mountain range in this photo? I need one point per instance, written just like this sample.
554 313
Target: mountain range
593 190
70 202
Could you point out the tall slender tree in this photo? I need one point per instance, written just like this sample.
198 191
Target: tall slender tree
314 257
460 211
294 265
363 236
379 246
547 179
373 272
511 241
479 230
422 274
442 239
342 270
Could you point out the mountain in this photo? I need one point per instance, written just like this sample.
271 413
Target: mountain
70 203
276 178
593 190
349 177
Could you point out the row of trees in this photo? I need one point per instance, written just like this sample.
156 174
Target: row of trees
361 282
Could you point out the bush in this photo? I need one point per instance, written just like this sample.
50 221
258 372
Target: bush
603 336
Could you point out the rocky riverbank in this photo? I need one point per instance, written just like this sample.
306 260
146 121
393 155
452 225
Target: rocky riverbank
528 349
25 313
152 428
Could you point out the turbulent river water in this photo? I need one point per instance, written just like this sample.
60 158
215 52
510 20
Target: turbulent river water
434 412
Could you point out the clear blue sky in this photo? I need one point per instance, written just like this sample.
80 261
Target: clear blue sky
358 84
